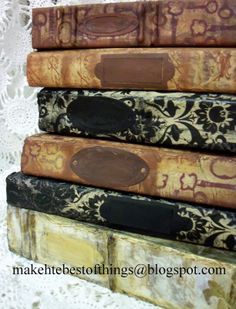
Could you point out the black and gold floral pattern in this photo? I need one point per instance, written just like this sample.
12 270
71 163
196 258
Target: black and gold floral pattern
201 121
196 224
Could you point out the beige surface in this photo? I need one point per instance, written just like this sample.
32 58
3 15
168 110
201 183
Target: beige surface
32 235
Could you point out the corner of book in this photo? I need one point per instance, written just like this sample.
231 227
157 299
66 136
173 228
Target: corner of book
12 227
28 71
23 154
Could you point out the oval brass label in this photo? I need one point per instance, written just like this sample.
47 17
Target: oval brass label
111 115
107 166
109 24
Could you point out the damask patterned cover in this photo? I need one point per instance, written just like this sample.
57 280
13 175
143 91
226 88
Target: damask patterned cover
201 121
181 69
208 179
54 240
207 226
164 22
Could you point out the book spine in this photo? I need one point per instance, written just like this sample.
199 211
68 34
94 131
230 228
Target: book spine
180 175
65 243
154 216
199 121
182 69
136 24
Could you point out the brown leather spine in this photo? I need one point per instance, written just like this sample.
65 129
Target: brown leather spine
179 175
185 69
151 23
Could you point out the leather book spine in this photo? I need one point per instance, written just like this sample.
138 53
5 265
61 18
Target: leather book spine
180 175
152 23
188 120
212 227
182 69
151 263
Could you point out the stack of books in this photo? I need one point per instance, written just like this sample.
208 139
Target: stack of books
127 175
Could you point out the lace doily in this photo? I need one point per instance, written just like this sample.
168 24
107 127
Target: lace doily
18 119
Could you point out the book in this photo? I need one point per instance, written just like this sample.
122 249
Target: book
182 69
189 120
176 174
152 23
157 217
150 268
